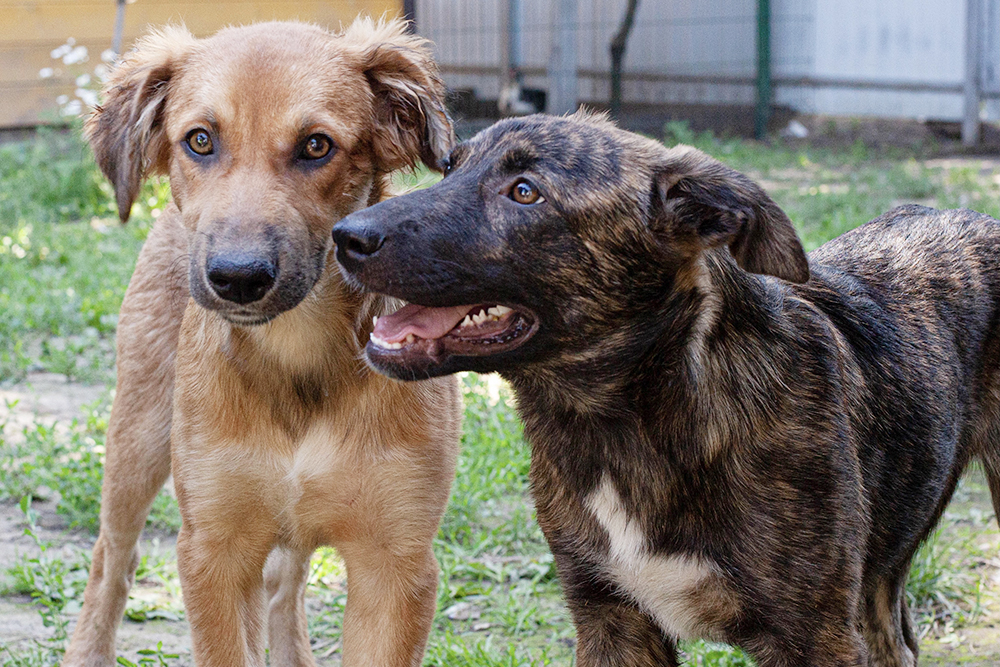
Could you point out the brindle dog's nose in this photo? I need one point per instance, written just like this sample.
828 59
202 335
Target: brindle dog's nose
241 279
356 241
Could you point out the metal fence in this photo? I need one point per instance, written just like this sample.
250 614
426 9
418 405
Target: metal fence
924 59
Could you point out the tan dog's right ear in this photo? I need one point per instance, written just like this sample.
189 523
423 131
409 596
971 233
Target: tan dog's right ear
126 132
411 120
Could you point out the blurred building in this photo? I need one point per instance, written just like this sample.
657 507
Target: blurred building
50 49
888 58
918 59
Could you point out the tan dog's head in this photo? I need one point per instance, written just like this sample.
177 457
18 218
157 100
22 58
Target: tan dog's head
270 134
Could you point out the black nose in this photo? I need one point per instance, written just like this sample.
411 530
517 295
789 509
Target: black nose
241 278
356 242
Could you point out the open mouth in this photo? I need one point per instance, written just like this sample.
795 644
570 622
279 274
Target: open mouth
418 334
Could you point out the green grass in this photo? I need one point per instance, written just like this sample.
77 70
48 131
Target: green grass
66 462
64 258
64 264
827 192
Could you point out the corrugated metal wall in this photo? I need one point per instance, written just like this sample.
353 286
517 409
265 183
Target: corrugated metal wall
829 56
906 41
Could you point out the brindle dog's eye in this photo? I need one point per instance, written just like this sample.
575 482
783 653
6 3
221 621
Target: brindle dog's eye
200 142
525 192
317 147
447 166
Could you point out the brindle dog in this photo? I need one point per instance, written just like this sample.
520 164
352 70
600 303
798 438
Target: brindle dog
728 442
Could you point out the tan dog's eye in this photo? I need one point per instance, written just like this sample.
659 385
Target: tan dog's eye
316 147
525 192
200 141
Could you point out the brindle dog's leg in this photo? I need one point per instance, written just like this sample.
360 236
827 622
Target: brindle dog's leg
615 633
906 623
831 647
887 625
611 631
991 466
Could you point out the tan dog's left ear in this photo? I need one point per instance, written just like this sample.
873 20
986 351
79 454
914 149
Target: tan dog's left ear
411 120
126 132
703 199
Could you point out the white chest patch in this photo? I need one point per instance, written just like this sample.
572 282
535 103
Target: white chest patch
663 586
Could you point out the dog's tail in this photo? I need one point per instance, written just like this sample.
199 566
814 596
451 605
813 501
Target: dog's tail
987 431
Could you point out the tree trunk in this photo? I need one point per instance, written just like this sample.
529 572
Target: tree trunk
618 43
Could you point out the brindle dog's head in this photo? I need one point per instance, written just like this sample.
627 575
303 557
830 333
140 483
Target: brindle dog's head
553 236
269 133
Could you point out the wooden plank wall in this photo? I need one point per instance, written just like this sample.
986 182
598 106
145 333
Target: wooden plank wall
31 30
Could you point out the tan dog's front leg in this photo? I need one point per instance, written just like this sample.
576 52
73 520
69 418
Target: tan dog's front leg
391 599
223 583
125 500
138 442
285 577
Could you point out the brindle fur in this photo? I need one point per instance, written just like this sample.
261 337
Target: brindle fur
797 437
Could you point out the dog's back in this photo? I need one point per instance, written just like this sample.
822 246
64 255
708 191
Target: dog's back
917 291
914 297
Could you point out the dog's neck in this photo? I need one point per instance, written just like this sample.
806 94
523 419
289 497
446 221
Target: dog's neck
699 374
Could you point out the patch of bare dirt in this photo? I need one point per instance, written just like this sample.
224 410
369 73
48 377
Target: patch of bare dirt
47 398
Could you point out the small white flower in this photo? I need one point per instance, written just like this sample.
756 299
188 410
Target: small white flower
76 56
72 108
46 73
89 97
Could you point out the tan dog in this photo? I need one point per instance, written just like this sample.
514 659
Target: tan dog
239 345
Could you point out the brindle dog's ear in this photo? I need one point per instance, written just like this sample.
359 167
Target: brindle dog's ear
126 132
411 121
703 199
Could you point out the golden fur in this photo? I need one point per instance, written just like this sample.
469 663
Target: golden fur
279 438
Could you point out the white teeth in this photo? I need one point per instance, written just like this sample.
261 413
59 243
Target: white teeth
384 343
375 320
410 338
491 315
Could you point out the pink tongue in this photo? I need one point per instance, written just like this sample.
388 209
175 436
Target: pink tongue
421 321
